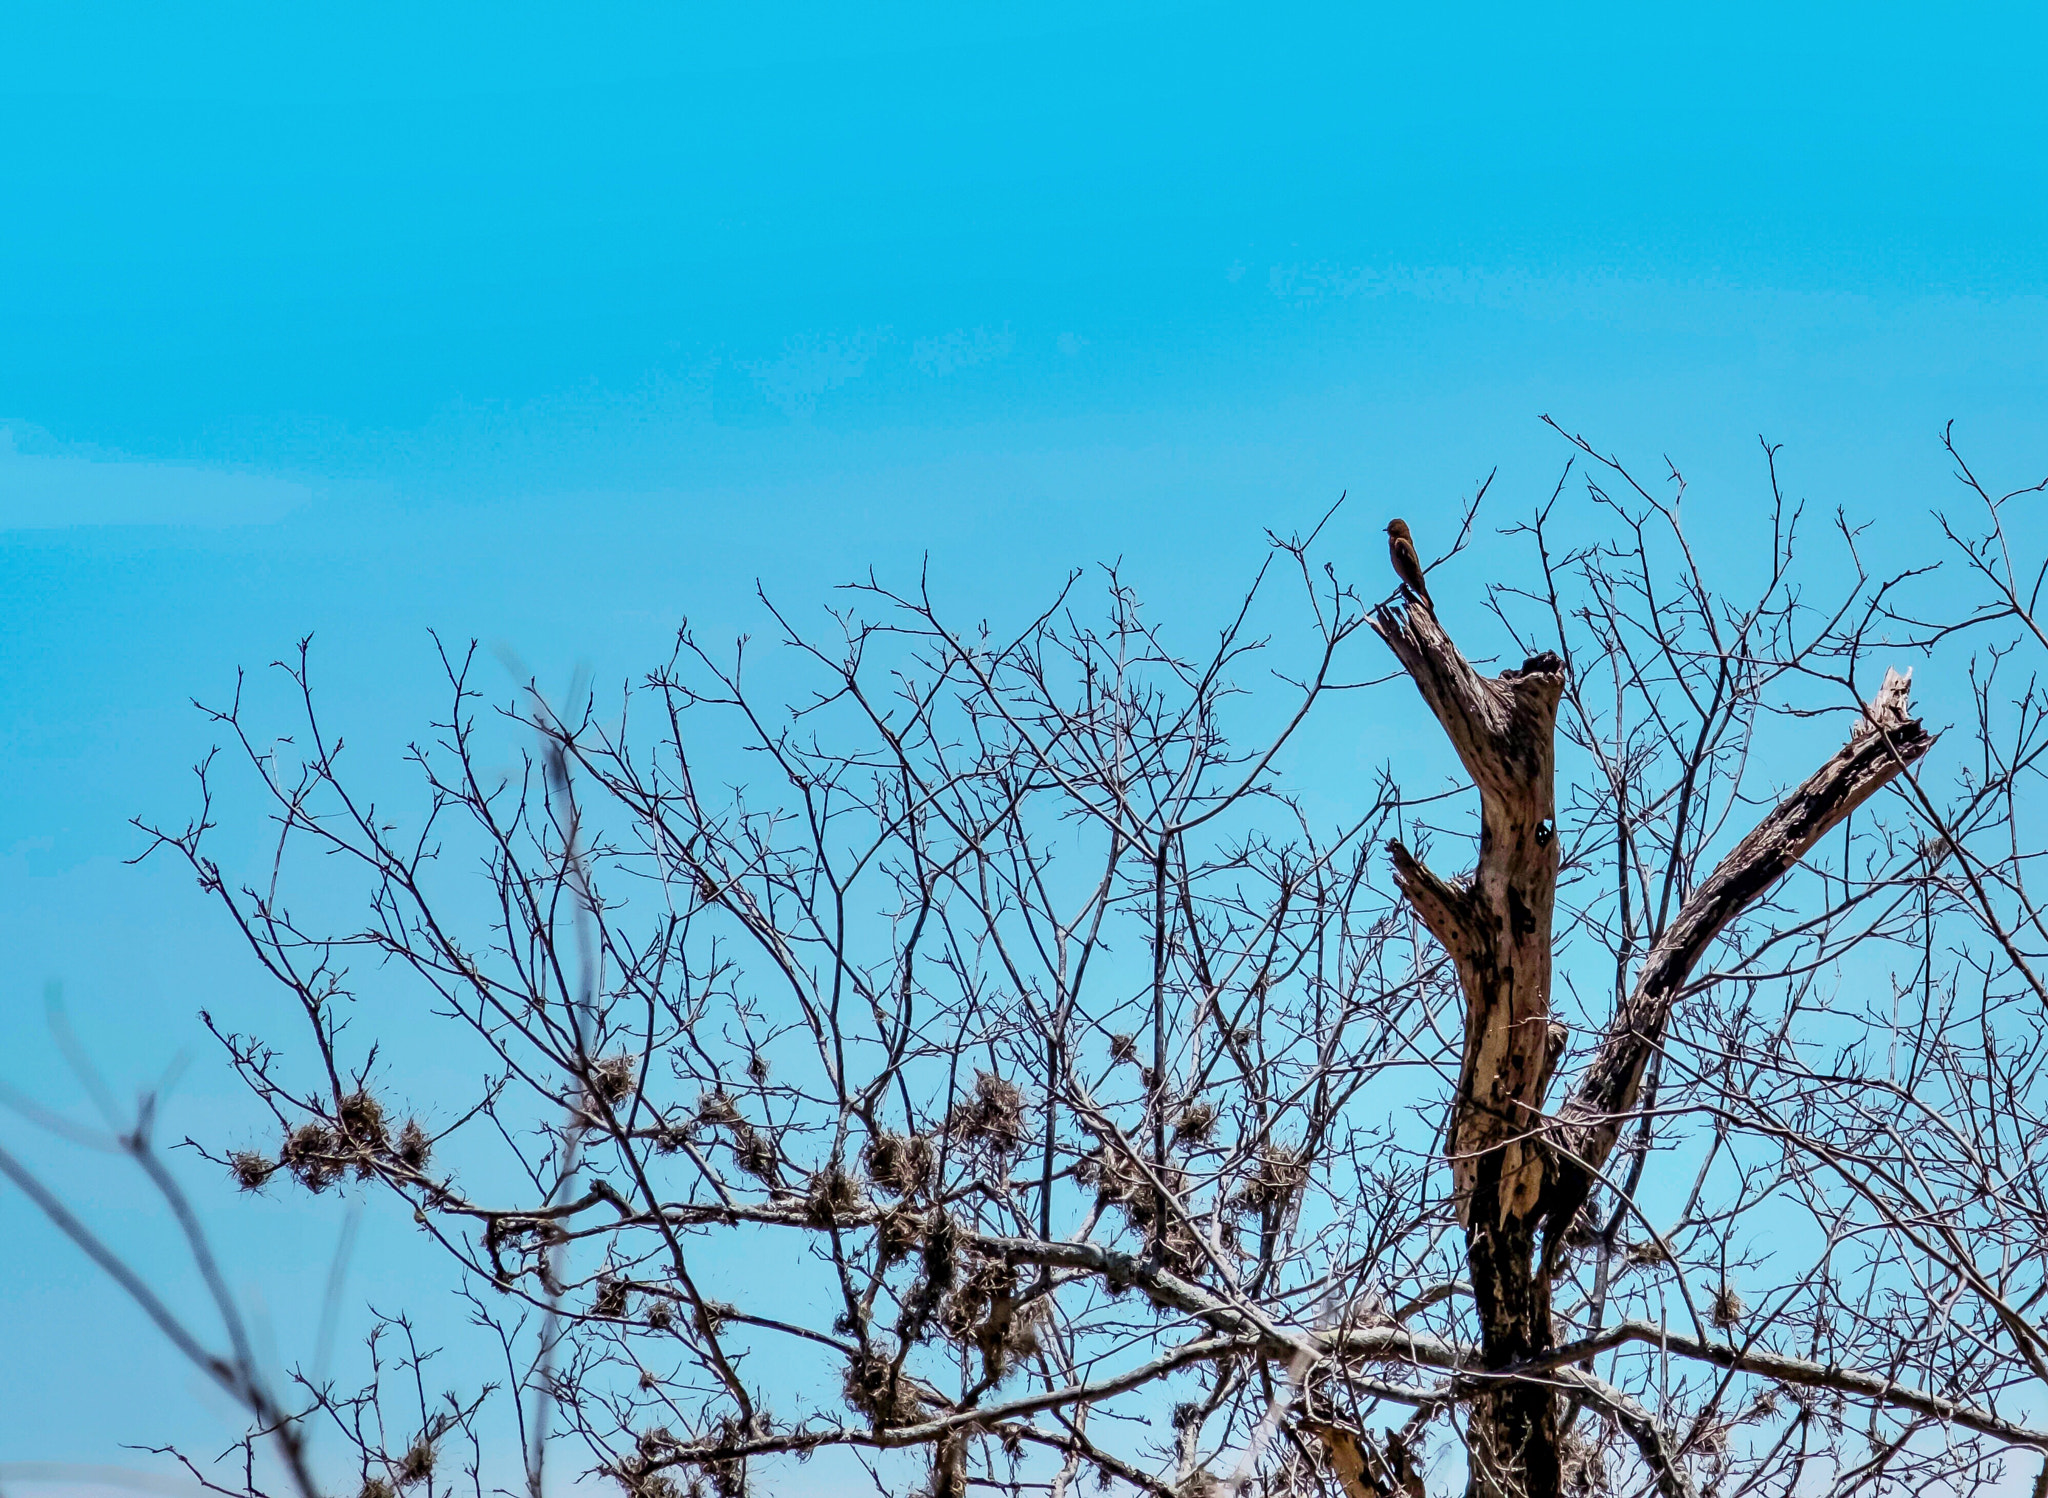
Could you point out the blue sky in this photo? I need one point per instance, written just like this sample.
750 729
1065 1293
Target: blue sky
551 325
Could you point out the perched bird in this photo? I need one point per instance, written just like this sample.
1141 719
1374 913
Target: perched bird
1407 565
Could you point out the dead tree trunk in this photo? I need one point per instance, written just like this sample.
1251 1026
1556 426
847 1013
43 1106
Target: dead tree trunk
1496 927
1521 1176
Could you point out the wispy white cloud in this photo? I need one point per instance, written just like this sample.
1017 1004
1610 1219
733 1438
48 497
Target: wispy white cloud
963 348
810 365
45 485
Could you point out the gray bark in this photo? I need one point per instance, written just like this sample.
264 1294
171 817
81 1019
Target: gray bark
1521 1174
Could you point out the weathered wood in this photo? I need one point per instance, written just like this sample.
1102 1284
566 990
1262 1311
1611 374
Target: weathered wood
1885 741
1367 1468
1518 1172
1495 923
1496 926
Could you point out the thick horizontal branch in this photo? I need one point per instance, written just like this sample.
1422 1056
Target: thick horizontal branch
1241 1330
1388 1344
1394 1344
1799 1372
927 1432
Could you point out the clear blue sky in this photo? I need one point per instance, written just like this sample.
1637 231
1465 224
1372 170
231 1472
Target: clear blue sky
549 325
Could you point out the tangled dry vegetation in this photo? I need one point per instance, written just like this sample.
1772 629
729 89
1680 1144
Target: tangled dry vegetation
1017 1086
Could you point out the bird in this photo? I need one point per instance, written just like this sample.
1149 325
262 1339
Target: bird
1407 565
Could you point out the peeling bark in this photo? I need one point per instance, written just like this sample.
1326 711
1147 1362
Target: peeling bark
1365 1467
1496 926
1519 1173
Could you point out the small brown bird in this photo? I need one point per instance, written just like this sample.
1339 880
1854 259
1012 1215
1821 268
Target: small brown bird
1407 565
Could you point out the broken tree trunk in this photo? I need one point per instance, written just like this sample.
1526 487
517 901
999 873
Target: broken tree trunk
1517 1172
1495 924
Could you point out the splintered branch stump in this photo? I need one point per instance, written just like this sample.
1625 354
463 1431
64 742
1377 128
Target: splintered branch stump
1520 1173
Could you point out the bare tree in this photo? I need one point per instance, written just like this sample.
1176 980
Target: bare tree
282 1422
994 1071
